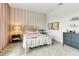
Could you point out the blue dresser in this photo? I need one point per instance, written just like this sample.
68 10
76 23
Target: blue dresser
71 39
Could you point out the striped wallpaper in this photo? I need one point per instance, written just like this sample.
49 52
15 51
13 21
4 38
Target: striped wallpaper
24 17
12 16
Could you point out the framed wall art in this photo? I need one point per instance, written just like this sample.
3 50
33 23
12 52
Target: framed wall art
55 26
49 25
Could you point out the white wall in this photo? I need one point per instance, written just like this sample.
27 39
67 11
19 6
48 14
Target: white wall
63 15
24 17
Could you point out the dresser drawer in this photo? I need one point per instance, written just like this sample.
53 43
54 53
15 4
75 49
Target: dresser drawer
67 43
75 38
71 39
67 34
67 39
76 45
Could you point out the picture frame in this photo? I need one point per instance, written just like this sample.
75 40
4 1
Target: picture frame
49 25
53 26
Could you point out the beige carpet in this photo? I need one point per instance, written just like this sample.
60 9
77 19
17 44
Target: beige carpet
15 49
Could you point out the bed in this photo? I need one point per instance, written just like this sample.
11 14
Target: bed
32 38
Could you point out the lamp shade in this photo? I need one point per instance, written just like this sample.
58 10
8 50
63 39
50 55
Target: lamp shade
16 29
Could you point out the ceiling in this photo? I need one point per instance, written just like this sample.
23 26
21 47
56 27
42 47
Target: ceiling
36 7
46 7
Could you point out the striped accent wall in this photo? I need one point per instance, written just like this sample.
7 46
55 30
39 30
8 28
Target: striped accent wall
4 24
24 17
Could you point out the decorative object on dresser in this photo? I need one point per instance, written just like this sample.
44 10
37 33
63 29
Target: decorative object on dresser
71 39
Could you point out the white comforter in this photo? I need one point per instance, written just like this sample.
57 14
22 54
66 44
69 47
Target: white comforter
32 40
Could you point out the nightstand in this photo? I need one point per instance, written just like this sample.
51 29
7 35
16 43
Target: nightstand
15 37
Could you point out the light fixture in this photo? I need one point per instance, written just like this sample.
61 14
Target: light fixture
16 29
60 4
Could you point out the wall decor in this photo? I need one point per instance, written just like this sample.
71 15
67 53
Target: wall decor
50 25
55 26
74 25
75 18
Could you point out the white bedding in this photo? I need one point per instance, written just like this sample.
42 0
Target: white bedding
32 40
